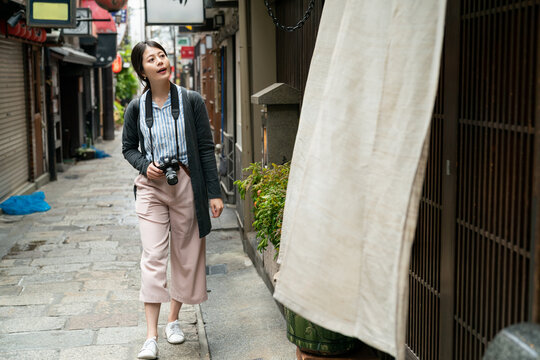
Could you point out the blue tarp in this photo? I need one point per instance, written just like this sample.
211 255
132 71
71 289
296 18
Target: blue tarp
99 153
25 204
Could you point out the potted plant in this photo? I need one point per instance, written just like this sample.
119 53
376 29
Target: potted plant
268 189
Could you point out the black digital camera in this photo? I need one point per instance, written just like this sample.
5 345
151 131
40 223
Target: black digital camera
170 167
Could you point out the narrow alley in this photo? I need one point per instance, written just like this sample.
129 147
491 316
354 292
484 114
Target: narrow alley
373 166
69 279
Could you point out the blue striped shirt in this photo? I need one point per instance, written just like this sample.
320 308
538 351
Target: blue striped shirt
163 131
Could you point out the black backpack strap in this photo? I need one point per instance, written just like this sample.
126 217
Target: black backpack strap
186 94
149 116
175 105
137 110
189 117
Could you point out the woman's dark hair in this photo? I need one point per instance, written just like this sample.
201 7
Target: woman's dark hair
137 59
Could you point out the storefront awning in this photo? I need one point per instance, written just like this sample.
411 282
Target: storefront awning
74 56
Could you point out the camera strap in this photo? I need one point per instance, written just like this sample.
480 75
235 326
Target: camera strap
149 116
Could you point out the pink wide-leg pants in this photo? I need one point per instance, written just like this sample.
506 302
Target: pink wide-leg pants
167 220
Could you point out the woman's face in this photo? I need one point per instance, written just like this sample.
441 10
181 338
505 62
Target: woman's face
155 64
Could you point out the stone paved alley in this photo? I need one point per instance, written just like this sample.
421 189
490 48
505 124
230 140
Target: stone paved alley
69 279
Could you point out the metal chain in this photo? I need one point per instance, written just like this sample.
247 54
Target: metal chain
298 25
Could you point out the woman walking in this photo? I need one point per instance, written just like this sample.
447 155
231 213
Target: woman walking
167 137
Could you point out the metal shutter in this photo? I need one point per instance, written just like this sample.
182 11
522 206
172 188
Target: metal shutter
13 124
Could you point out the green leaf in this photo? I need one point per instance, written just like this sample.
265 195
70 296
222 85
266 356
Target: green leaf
268 188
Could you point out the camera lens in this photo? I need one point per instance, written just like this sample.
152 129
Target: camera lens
172 178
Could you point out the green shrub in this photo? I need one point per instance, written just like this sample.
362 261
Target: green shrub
126 80
126 84
268 189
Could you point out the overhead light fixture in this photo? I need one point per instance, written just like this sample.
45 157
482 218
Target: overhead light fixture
14 19
208 42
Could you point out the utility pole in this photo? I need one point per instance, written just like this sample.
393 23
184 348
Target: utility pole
142 10
174 47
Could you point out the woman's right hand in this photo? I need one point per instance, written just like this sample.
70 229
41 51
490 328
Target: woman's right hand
153 172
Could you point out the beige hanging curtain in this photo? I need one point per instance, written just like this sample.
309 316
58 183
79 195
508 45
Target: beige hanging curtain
358 167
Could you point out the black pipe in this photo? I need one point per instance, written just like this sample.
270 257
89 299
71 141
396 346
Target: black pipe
51 140
108 104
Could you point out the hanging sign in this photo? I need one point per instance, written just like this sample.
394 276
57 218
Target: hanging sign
183 41
51 13
187 52
105 49
84 27
176 12
120 15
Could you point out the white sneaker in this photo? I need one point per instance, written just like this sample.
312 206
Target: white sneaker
173 333
149 349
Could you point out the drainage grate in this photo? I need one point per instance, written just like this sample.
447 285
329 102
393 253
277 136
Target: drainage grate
216 269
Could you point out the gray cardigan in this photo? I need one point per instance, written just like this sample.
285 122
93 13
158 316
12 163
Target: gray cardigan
200 151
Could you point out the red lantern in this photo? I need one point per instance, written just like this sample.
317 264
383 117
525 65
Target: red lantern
37 34
15 30
41 34
117 64
111 5
43 37
26 32
31 34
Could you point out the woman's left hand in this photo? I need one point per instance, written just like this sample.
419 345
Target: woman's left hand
216 205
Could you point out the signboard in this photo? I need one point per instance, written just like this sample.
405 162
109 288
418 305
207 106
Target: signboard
183 41
105 50
121 15
174 12
51 13
208 25
187 52
84 28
